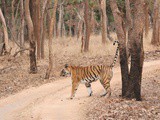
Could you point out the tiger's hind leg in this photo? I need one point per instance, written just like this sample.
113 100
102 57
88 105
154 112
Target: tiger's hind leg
88 86
106 84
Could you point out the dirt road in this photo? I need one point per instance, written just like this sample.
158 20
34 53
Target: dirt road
51 101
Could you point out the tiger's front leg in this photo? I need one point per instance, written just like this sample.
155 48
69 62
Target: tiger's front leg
88 86
74 89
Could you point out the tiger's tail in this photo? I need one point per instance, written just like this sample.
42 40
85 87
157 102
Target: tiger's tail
116 55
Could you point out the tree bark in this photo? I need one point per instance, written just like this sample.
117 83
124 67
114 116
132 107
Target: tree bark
22 26
87 26
147 24
155 35
59 31
131 81
13 21
80 15
137 52
92 22
122 48
5 31
50 40
36 17
104 21
4 10
129 26
33 65
43 27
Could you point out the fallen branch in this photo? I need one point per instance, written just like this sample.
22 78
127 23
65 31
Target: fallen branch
157 51
1 70
21 50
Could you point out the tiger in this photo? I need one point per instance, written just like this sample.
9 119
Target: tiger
89 74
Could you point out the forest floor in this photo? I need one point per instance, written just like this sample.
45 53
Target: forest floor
122 109
14 72
51 101
29 96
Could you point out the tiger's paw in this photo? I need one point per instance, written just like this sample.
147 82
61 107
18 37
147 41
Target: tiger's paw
103 94
71 98
89 91
90 94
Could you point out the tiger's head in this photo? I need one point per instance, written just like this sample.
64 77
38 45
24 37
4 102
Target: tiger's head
66 71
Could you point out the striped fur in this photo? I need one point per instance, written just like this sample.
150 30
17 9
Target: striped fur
89 74
116 55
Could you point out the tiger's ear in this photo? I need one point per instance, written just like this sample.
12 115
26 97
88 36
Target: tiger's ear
66 66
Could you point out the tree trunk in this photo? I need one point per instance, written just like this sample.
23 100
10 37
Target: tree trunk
13 21
159 26
122 48
42 41
129 26
87 26
104 21
59 31
43 27
131 82
38 28
80 22
137 52
155 35
70 28
52 23
5 31
146 12
48 18
92 22
33 65
22 25
36 17
4 10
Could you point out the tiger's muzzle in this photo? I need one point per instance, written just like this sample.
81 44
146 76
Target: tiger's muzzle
65 73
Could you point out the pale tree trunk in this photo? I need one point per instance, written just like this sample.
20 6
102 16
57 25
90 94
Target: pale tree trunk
37 25
63 30
87 26
38 29
33 65
52 23
43 41
43 27
155 35
4 10
70 27
22 25
13 21
122 48
129 26
48 18
59 31
146 12
6 41
159 26
55 29
92 22
81 22
63 22
36 17
104 21
79 28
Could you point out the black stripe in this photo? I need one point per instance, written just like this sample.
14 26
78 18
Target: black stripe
93 72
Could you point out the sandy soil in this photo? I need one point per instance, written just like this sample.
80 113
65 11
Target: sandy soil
51 101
